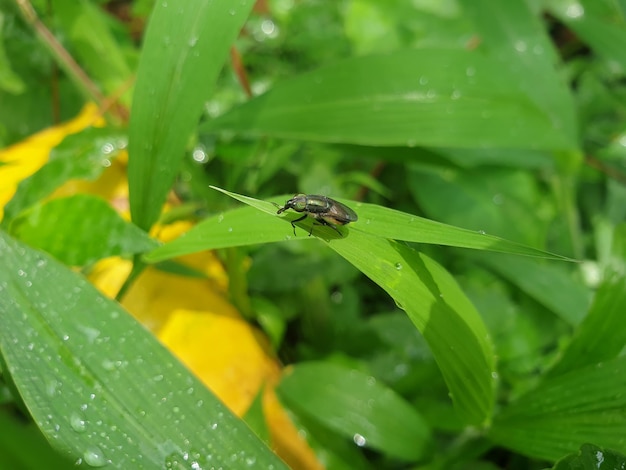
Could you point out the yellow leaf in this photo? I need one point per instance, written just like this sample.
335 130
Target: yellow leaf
230 357
26 157
226 353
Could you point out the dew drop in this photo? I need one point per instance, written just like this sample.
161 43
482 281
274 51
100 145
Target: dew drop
575 11
359 440
78 422
398 266
94 457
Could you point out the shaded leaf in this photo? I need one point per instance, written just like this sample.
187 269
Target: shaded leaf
357 407
590 456
550 285
564 412
601 336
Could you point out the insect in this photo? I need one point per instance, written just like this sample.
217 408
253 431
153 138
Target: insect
324 210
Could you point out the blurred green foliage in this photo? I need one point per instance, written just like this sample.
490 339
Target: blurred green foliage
507 118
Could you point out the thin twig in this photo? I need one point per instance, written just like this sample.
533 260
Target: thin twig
64 59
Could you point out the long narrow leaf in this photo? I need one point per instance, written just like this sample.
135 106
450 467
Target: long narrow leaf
601 336
431 298
245 226
185 46
99 386
561 414
430 97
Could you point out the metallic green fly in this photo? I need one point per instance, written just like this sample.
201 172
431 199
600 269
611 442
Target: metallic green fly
324 210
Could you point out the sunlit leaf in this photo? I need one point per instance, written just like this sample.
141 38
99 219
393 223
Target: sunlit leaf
99 386
184 48
430 97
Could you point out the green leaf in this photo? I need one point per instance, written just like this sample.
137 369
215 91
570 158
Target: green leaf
441 312
98 385
601 336
590 456
245 227
79 230
550 285
604 33
84 155
516 38
96 46
22 445
431 298
429 97
9 80
500 201
185 46
356 406
585 405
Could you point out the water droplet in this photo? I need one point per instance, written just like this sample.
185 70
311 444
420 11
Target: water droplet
94 457
575 11
359 440
520 46
482 232
52 386
398 266
268 27
78 422
220 218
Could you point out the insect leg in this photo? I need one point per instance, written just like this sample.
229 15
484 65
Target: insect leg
328 224
293 224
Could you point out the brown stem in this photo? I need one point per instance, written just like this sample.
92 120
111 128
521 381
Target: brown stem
64 59
240 71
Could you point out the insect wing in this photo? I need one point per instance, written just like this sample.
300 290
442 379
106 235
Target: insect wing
342 213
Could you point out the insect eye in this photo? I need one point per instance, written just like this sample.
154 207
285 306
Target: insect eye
299 205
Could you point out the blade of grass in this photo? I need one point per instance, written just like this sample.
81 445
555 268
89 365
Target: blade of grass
99 386
185 46
431 298
585 405
356 406
428 96
243 226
